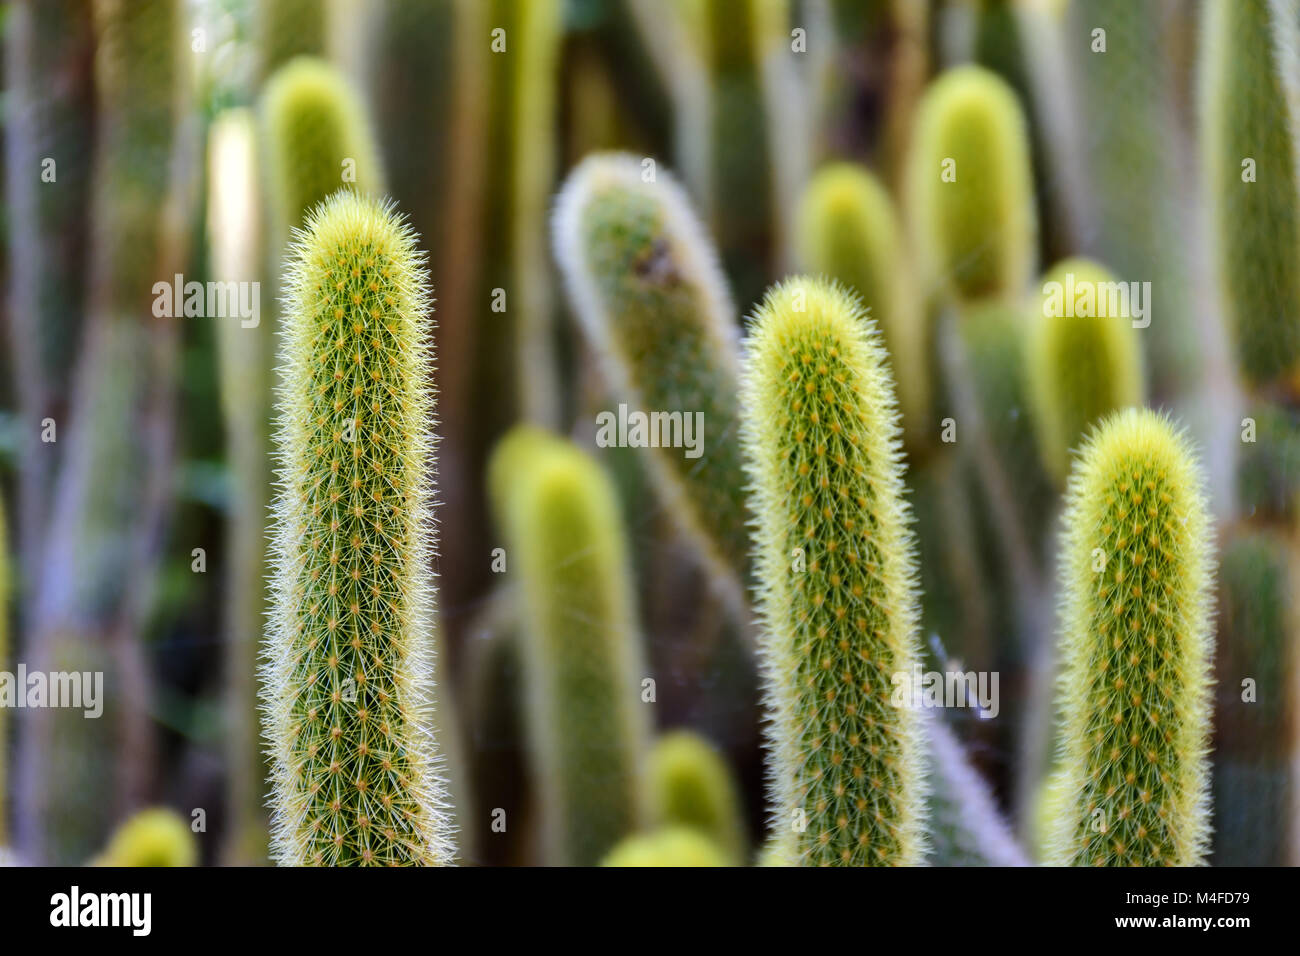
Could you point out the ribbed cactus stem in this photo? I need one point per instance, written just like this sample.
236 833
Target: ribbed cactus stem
1084 358
567 551
848 231
837 581
692 786
347 681
1249 112
970 186
646 287
1135 644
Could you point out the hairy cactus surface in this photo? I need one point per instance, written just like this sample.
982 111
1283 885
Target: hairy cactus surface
669 846
970 186
692 786
837 591
347 680
848 231
1249 114
567 550
1135 644
153 837
1081 366
646 287
318 139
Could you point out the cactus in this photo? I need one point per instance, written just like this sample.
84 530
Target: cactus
965 826
1082 366
692 786
1259 621
245 364
94 586
837 591
848 231
153 837
970 186
318 140
347 677
670 846
648 293
1124 120
581 650
286 29
49 97
1268 467
1135 644
1249 116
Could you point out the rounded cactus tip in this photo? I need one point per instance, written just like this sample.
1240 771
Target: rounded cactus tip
1136 640
348 675
318 138
153 837
837 589
970 185
669 846
691 785
1084 357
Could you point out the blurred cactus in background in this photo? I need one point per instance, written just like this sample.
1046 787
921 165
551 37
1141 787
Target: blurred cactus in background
154 837
691 786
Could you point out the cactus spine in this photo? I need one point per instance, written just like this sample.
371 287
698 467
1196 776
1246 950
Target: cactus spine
348 709
837 590
153 837
848 230
970 186
581 651
692 786
647 290
1083 363
1136 643
670 846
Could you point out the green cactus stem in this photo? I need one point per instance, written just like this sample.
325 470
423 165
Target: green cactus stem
648 293
669 846
566 548
692 786
153 837
837 581
1135 644
347 681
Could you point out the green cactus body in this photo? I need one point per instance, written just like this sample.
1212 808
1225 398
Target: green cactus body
245 356
1128 138
1259 623
1249 114
1136 643
154 837
1268 466
848 231
970 186
49 98
648 293
1080 366
318 140
692 786
836 572
581 649
670 846
347 682
287 29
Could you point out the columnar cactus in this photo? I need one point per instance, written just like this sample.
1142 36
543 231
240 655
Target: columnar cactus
669 846
692 786
153 837
970 186
318 140
1135 644
581 650
646 288
1250 119
289 28
347 680
848 230
1083 362
837 591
